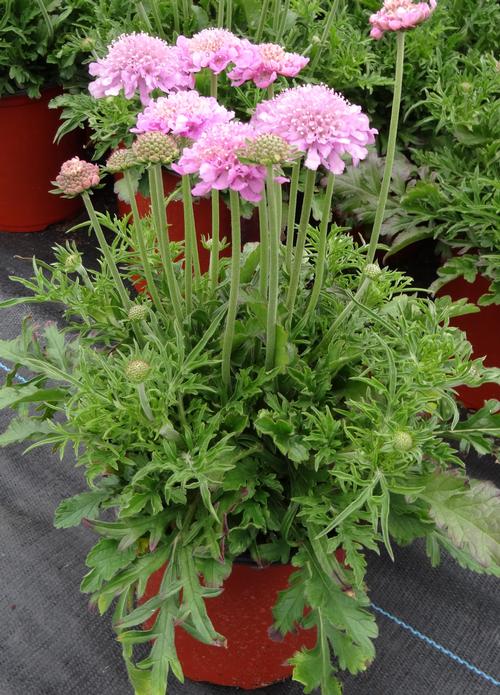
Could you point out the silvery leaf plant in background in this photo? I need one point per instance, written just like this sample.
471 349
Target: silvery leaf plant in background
294 400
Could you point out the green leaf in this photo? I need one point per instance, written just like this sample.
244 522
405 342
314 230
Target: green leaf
308 668
288 610
479 428
22 428
469 517
108 559
84 506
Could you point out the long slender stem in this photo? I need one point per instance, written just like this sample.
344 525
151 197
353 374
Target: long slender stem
229 13
264 246
262 20
276 16
321 258
120 287
220 13
161 227
273 282
324 36
215 248
227 344
283 16
391 148
192 261
292 208
139 239
301 240
175 12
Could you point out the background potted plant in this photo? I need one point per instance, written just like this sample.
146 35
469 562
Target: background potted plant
294 401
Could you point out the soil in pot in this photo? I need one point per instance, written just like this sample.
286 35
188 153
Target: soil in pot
31 161
483 331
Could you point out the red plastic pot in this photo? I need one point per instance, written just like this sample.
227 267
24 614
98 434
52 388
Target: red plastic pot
243 614
483 332
202 217
31 162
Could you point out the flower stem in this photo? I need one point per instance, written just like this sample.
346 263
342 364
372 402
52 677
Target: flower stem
120 287
292 208
301 240
161 228
215 248
262 20
284 13
220 13
229 14
227 344
139 239
391 147
192 261
273 273
321 258
324 36
175 12
264 246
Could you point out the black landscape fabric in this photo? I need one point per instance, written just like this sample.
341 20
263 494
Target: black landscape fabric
439 629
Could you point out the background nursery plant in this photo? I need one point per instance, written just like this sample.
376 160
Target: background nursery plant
293 402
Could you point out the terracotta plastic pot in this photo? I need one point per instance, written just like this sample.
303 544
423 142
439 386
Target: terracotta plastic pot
202 217
243 614
31 162
483 331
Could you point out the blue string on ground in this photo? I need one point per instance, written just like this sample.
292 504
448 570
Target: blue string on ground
414 632
435 645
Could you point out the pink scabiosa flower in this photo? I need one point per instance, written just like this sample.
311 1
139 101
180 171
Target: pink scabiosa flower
139 63
397 15
76 176
182 113
214 157
263 64
209 48
316 120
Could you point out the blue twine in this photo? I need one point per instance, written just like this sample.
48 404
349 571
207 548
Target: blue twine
436 645
416 633
8 369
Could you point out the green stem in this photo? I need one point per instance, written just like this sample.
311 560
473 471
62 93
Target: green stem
262 20
143 397
229 14
292 208
227 344
139 239
215 248
264 246
270 91
276 16
273 282
391 147
192 261
301 241
324 36
220 13
125 299
175 12
284 13
161 227
213 84
321 258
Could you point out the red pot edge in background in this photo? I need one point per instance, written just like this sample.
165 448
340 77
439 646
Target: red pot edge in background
479 328
27 131
243 614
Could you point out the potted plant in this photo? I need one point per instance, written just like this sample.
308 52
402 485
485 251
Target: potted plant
251 432
39 52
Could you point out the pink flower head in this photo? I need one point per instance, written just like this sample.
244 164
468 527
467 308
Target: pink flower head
77 176
316 120
263 64
397 15
182 113
210 48
139 63
214 158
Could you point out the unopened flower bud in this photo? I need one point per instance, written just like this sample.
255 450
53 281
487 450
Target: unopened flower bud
72 262
466 86
77 176
155 148
137 371
402 441
120 160
266 150
372 270
138 312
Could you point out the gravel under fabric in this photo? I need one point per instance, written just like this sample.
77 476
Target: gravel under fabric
439 629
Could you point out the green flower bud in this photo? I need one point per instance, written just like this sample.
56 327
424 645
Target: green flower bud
155 148
266 150
120 160
137 371
72 262
402 441
372 271
138 312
